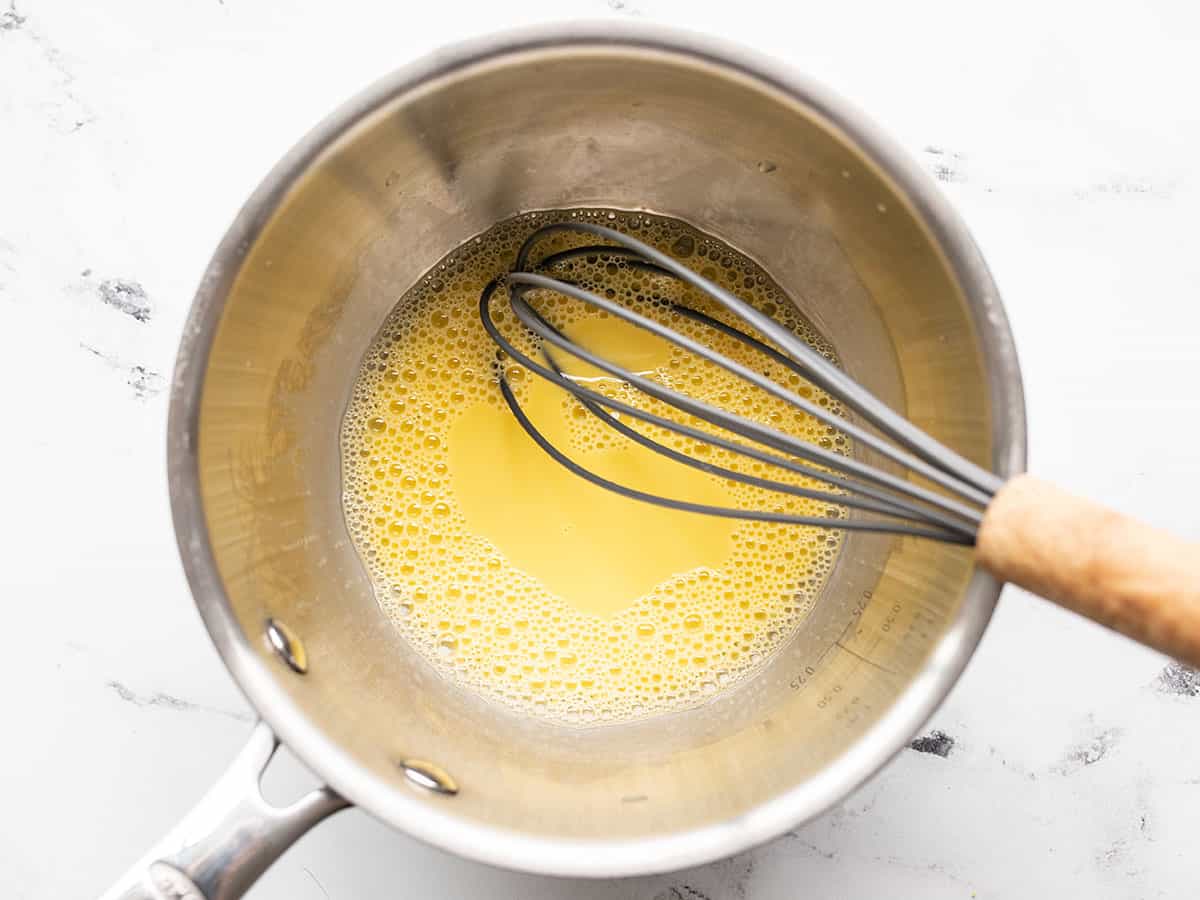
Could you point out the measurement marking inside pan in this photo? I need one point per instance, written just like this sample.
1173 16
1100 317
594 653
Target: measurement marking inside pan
868 661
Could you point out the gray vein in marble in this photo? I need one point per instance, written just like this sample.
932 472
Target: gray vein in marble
1126 185
808 845
1178 679
727 879
166 701
82 114
936 742
307 871
1088 752
935 868
11 20
946 165
622 6
7 268
128 297
1117 854
145 382
736 874
1012 766
952 167
1121 855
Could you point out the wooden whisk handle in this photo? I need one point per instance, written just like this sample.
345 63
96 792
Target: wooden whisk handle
1136 579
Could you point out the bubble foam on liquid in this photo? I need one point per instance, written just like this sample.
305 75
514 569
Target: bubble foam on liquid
495 627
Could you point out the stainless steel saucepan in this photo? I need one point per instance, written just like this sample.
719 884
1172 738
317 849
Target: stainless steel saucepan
635 118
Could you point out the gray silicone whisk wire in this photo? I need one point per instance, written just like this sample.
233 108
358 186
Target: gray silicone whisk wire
949 509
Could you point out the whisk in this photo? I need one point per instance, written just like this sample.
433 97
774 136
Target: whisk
1131 577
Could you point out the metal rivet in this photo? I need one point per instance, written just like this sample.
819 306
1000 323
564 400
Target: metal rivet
429 775
287 645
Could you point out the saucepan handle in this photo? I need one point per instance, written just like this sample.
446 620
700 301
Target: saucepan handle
229 839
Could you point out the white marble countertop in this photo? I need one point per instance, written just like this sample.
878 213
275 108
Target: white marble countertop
131 131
